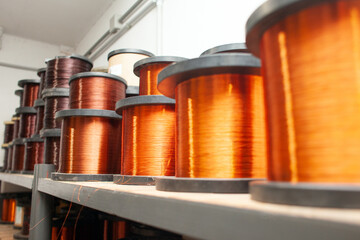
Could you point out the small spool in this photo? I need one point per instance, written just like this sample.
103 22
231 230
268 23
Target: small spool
227 48
96 135
9 157
8 209
19 92
31 90
95 90
27 121
16 121
148 69
221 141
9 131
34 153
39 105
18 155
121 63
51 145
149 122
312 116
41 73
56 99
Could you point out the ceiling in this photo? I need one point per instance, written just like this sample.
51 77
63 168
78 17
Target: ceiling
62 22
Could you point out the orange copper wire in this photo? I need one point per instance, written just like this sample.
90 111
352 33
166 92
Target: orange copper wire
148 78
30 94
9 131
148 147
18 157
34 154
53 105
16 121
89 145
311 65
96 92
52 150
27 125
5 209
12 210
221 127
10 157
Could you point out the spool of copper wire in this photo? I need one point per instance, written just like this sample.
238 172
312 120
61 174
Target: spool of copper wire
5 210
9 131
148 69
39 106
96 136
19 92
27 121
18 155
9 157
5 147
56 99
121 63
148 147
221 140
61 68
114 230
309 50
51 146
227 48
95 90
41 73
16 120
34 153
31 90
11 210
8 209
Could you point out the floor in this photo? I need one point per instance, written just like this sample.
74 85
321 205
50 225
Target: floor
7 231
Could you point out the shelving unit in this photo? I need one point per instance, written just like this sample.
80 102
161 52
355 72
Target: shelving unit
201 215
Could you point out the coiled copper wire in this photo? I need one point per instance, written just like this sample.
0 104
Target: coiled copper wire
114 230
27 125
96 90
53 105
90 145
16 121
30 94
5 209
9 157
42 74
9 131
6 155
311 69
39 115
11 210
148 147
220 116
34 153
18 156
60 69
52 150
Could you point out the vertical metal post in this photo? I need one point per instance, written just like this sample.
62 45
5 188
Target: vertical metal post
41 205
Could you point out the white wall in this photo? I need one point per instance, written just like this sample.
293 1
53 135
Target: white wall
24 52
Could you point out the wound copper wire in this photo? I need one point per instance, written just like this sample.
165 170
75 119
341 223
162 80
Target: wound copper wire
30 94
148 78
311 70
18 157
60 69
27 125
52 150
221 127
11 210
96 140
9 131
9 157
53 105
148 147
96 92
5 209
16 121
114 230
34 154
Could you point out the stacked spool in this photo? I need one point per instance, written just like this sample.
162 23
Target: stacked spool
56 98
221 141
121 63
8 208
312 101
8 134
92 127
148 148
27 122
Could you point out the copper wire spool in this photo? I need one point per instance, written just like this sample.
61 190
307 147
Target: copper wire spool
220 116
51 146
114 230
27 121
18 154
96 136
55 100
34 152
41 73
95 90
11 210
148 69
148 147
227 48
121 63
19 92
16 121
310 54
30 94
61 68
9 131
5 209
39 106
5 147
9 157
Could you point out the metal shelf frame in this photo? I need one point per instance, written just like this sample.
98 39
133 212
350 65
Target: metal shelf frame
23 180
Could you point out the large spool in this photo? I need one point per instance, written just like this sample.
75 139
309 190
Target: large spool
227 48
95 90
121 63
56 99
31 90
148 69
148 147
16 120
34 153
42 74
27 121
312 100
61 68
18 155
221 142
51 146
96 136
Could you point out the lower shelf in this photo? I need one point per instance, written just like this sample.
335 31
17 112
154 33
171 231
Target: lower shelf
209 216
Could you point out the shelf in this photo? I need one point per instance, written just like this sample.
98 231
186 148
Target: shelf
23 180
209 216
